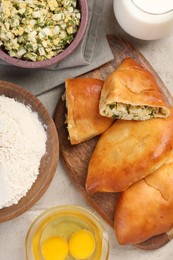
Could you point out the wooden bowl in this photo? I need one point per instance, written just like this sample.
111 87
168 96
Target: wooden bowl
49 161
83 7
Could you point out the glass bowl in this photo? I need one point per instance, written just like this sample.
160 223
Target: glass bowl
63 221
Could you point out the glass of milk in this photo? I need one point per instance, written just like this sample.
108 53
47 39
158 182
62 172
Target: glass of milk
145 19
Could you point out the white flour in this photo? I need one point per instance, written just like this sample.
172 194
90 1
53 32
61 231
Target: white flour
22 145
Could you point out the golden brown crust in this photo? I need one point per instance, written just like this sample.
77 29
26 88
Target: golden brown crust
134 85
83 118
127 152
145 209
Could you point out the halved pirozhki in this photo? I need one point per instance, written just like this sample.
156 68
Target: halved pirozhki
132 93
83 118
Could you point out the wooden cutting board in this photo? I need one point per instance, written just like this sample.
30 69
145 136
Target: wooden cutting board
76 157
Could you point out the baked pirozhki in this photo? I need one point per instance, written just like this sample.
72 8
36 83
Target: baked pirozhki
83 118
127 152
145 209
132 93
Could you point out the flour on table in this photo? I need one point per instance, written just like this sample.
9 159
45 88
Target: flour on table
22 145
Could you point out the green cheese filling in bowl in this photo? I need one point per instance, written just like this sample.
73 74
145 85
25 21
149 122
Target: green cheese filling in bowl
38 31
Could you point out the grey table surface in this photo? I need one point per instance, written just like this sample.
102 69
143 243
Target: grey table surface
62 191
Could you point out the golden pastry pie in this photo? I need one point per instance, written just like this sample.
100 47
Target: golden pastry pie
83 118
127 152
145 209
131 92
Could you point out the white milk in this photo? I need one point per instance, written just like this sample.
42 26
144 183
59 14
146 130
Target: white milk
145 19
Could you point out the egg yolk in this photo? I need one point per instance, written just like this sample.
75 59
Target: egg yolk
82 244
54 248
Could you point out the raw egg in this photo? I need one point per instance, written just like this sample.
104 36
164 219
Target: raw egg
54 248
82 244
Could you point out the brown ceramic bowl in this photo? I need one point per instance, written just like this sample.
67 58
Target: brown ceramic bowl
83 7
49 161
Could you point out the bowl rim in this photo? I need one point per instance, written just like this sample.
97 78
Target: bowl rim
49 62
15 210
67 208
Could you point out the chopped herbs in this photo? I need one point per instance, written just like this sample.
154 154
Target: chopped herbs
37 30
111 106
115 116
121 110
